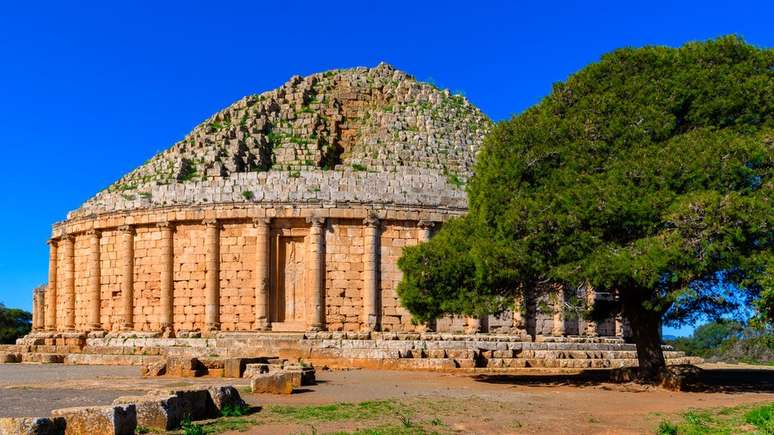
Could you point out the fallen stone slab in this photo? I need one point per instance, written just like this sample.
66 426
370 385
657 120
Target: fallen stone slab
157 412
32 426
99 420
274 383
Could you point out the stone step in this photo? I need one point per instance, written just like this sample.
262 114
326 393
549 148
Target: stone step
46 358
577 363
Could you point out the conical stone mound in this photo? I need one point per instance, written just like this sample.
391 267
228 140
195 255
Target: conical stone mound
361 135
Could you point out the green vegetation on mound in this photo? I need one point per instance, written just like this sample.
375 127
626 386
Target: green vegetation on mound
14 323
729 341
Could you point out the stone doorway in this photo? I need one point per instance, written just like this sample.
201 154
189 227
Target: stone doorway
289 284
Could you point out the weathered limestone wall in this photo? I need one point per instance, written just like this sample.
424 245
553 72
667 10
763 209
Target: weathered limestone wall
181 270
237 276
344 274
110 279
394 237
189 276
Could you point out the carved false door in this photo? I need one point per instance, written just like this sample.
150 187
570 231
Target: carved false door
289 284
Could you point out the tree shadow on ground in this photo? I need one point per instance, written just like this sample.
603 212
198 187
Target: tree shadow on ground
736 380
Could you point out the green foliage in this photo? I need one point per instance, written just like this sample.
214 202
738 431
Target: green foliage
729 341
762 418
649 174
708 338
190 428
338 411
14 323
746 419
229 410
358 167
248 195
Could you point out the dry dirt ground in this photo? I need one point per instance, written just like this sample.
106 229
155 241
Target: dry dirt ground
444 403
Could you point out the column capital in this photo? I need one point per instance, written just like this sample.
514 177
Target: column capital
426 224
69 237
165 225
52 242
211 223
316 221
126 229
371 221
93 232
261 222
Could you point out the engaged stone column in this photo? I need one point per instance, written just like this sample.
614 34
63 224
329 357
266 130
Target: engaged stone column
69 281
52 284
167 281
127 277
262 243
619 326
371 274
557 329
591 325
316 270
212 276
35 309
95 321
425 230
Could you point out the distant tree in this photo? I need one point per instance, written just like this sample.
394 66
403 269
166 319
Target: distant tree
649 175
709 337
14 323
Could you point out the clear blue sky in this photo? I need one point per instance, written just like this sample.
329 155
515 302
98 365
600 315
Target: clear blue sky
89 91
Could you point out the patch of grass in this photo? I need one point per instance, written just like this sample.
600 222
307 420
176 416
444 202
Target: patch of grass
358 167
762 417
191 428
338 411
237 424
745 419
234 410
388 430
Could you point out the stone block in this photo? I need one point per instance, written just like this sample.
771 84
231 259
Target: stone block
274 383
307 373
6 358
99 420
157 412
225 396
252 370
158 368
185 367
235 367
32 426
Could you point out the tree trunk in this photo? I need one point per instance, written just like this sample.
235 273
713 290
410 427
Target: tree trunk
646 333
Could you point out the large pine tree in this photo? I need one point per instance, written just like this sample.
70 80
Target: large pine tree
649 174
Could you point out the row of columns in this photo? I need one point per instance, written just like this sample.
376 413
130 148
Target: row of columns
63 287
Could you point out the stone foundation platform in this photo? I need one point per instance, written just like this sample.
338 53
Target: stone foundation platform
400 351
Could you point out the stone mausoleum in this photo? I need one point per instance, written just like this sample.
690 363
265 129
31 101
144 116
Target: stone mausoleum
285 212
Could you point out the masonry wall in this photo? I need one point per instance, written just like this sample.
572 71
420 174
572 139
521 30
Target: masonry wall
344 274
394 237
237 276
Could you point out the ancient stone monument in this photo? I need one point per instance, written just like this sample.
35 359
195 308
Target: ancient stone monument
285 213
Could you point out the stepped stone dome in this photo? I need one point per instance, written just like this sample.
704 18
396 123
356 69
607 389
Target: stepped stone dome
362 135
286 211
